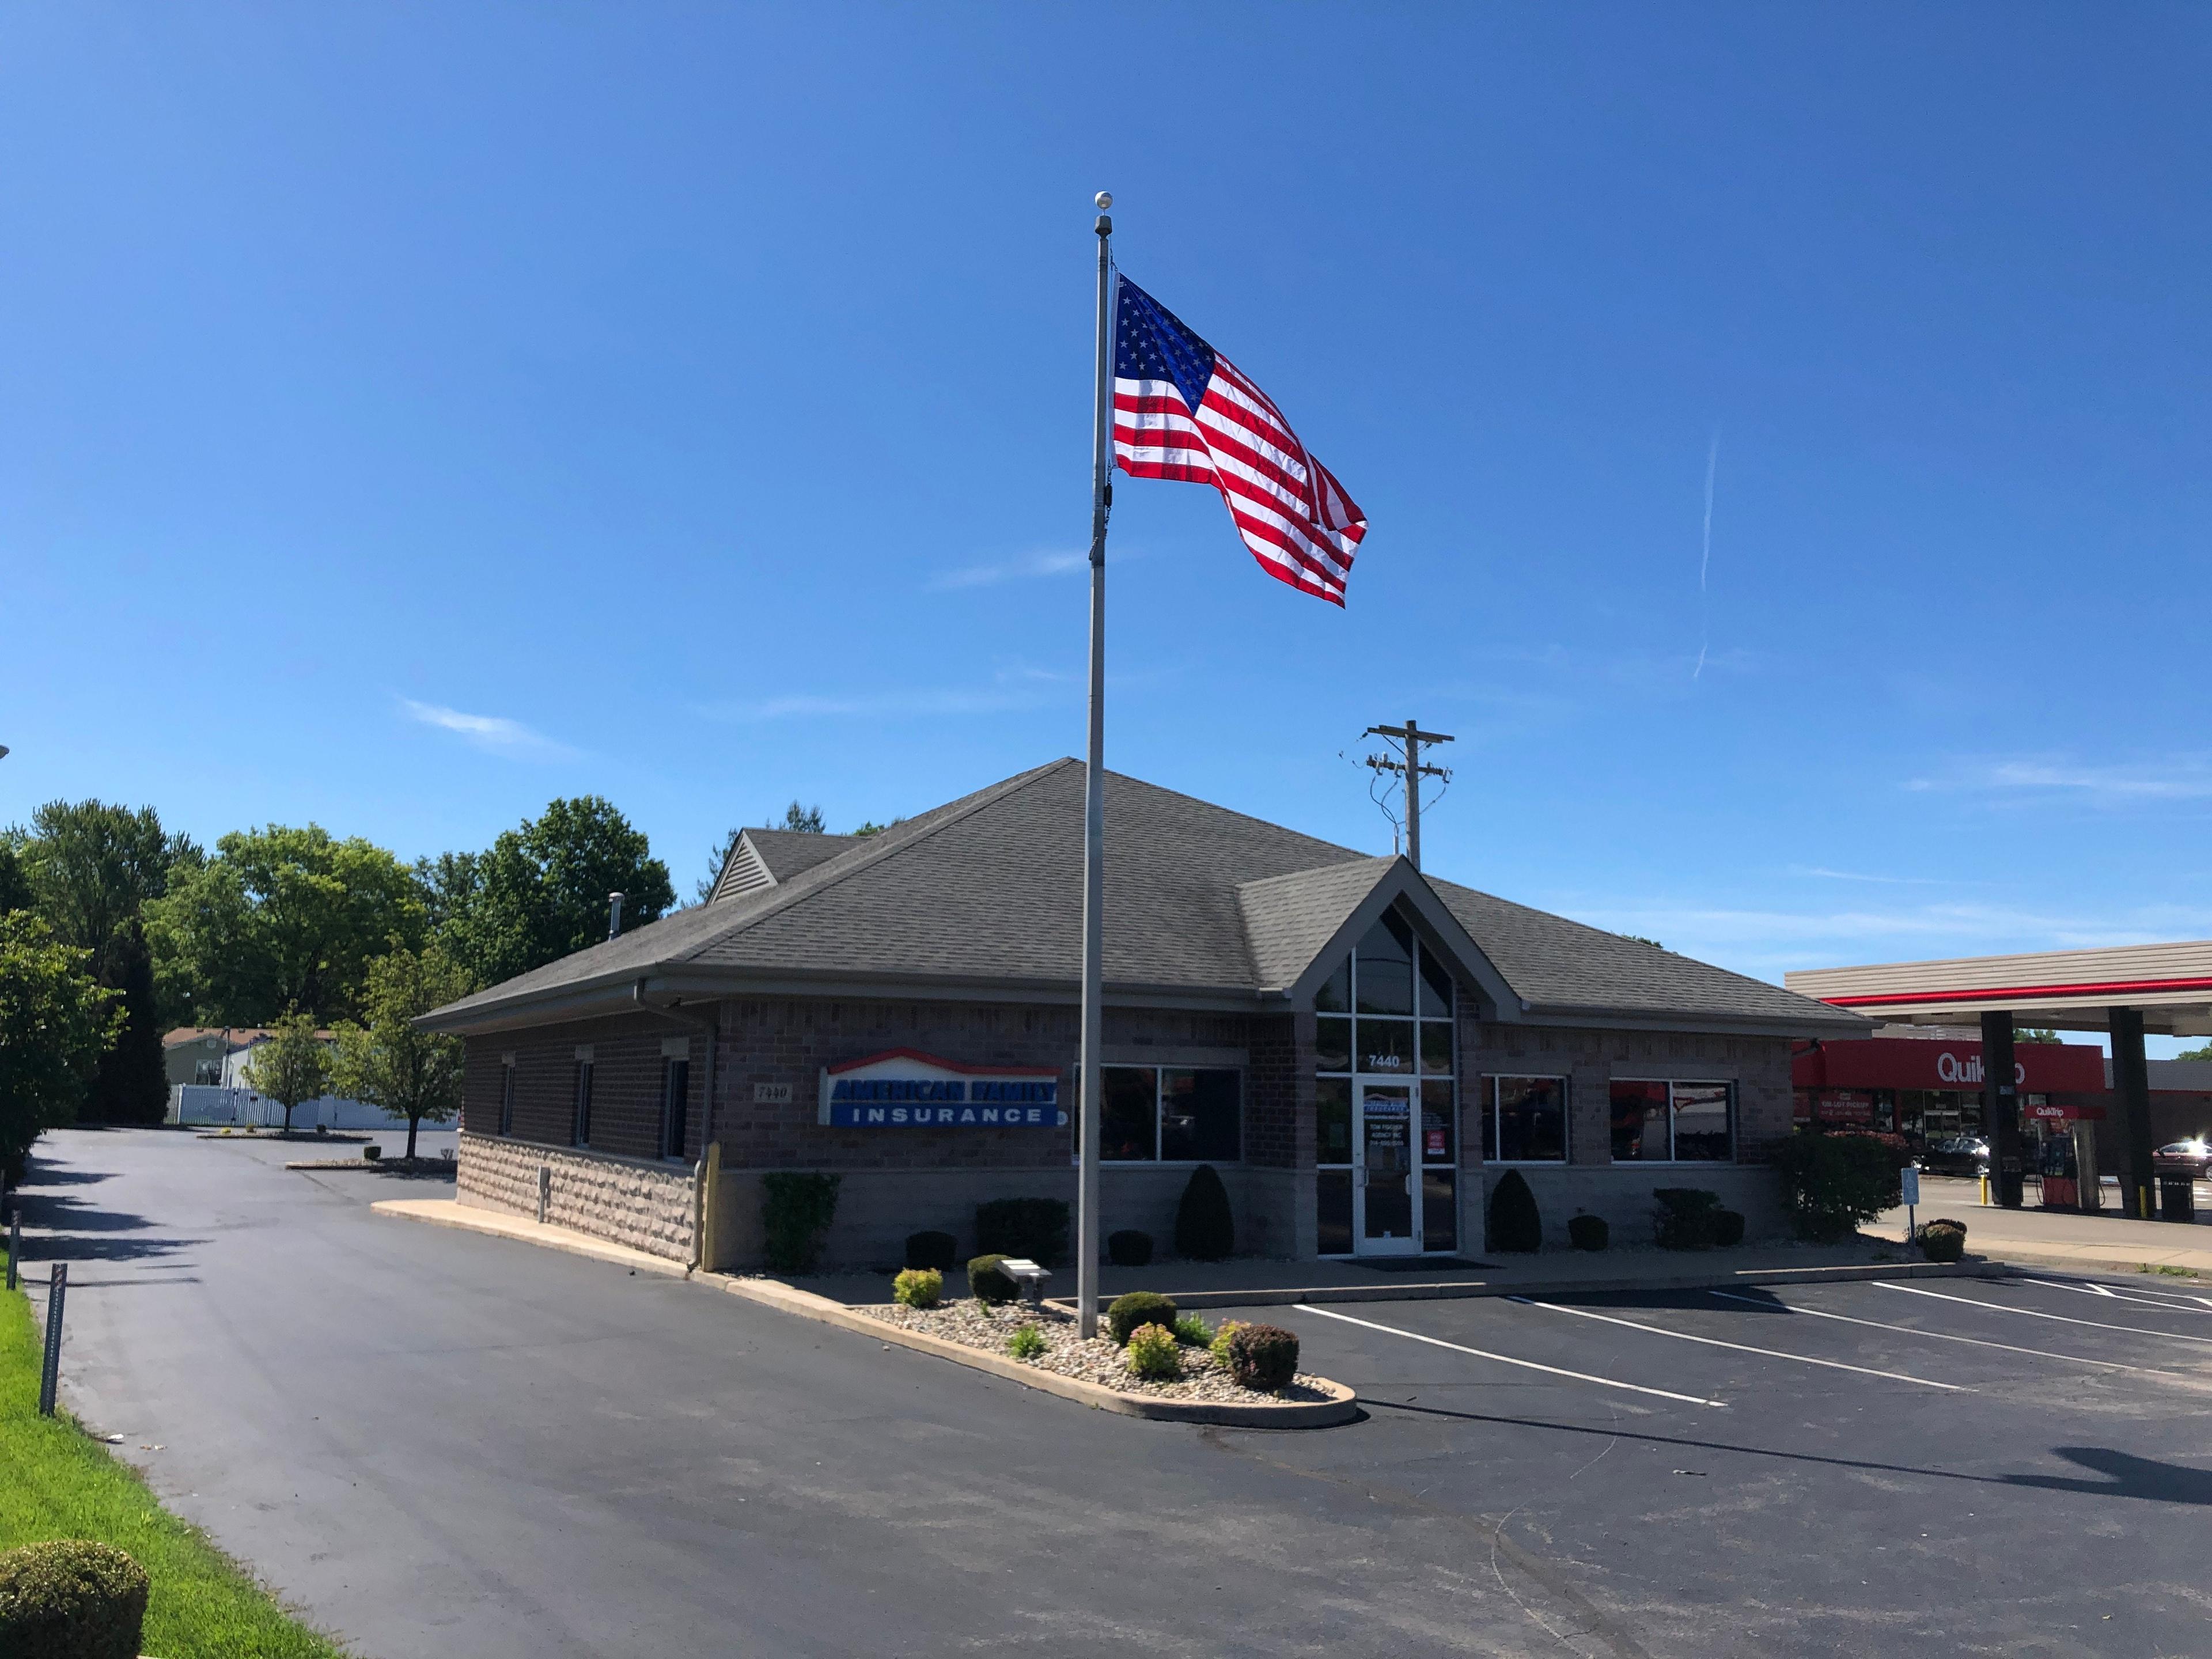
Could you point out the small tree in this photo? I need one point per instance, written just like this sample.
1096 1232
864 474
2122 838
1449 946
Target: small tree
291 1066
132 1083
386 1060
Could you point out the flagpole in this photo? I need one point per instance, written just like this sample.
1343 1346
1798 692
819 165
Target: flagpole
1094 806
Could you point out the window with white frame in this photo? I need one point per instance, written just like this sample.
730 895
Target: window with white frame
1524 1120
1670 1122
1171 1114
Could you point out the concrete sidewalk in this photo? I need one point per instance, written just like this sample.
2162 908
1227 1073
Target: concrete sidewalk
2056 1238
446 1212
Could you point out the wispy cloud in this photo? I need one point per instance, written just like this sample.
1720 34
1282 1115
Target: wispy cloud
1010 570
1705 557
493 733
2175 779
1858 875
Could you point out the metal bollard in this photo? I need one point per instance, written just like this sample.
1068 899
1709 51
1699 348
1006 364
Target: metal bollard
14 1245
50 1378
544 1192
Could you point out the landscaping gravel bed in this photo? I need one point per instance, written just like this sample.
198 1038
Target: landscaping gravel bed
1099 1360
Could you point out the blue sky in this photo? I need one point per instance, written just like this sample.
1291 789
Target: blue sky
416 413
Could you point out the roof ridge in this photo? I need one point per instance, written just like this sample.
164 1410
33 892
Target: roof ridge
832 870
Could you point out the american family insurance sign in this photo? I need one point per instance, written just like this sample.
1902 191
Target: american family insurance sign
907 1090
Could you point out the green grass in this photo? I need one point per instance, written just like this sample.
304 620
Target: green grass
56 1481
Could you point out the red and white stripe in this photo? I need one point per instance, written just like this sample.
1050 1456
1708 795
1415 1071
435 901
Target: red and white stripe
1289 508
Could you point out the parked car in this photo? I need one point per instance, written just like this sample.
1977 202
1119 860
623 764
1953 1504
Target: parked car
1957 1155
2193 1158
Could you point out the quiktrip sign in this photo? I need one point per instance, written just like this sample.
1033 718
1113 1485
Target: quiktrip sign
1932 1063
906 1088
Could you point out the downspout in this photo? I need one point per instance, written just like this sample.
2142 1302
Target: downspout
712 1027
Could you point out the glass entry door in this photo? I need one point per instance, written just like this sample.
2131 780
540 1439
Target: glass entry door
1387 1197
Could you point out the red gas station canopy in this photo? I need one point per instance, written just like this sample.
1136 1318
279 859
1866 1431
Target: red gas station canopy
2038 1068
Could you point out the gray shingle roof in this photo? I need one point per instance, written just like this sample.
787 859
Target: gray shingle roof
989 889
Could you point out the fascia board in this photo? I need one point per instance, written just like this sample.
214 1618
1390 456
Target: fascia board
1438 928
1691 1024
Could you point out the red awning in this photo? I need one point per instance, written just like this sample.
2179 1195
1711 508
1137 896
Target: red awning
2040 1069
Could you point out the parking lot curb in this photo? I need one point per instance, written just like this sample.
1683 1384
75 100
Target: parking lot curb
448 1212
1447 1289
1307 1414
2048 1260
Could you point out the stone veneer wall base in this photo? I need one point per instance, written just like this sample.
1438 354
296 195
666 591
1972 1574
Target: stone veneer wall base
648 1206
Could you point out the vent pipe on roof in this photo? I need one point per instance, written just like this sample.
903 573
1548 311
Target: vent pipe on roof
613 914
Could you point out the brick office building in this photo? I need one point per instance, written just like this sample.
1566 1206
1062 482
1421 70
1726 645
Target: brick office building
1358 1048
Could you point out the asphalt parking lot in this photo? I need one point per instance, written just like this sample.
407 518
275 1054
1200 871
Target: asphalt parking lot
436 1442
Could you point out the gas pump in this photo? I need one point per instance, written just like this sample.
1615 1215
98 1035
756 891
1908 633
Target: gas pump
2061 1173
2085 1162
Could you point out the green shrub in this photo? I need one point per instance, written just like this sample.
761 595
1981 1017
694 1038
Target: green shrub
1192 1332
74 1599
1835 1180
919 1287
1222 1338
1035 1228
1684 1218
987 1283
1138 1308
938 1250
1514 1223
1154 1354
1727 1229
1027 1343
797 1211
1205 1230
1588 1232
1944 1240
1129 1248
1263 1357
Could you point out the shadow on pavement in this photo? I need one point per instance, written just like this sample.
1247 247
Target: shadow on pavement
2126 1476
60 1228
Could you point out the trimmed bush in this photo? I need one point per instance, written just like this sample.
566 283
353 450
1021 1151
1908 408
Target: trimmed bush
1836 1179
1222 1338
919 1287
1944 1240
74 1599
987 1283
1129 1248
1027 1343
1684 1218
1192 1332
938 1250
1264 1357
1154 1354
1205 1230
1138 1308
1588 1232
1514 1223
1727 1229
1033 1227
796 1211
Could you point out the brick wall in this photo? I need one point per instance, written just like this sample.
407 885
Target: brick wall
626 1084
648 1206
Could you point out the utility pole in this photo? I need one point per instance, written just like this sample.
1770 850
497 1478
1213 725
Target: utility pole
1410 738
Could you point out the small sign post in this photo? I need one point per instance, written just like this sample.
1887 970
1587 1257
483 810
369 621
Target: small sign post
50 1378
1908 1178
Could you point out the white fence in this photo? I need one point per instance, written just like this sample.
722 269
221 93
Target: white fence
202 1103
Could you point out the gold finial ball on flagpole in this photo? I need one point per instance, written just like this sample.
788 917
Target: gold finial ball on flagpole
1105 199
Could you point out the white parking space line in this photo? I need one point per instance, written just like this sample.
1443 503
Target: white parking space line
2037 1313
1740 1347
1508 1360
2168 1301
1945 1336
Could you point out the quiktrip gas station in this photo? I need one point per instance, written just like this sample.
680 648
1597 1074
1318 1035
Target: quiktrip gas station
1948 1059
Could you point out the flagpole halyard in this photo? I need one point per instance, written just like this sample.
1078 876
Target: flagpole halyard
1094 806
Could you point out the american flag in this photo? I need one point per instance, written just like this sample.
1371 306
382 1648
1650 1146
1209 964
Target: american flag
1182 410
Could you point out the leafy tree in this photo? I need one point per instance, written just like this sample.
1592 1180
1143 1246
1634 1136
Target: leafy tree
449 883
386 1060
541 891
290 1066
55 1022
2204 1052
15 886
2034 1034
807 820
280 920
92 867
872 828
131 1085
